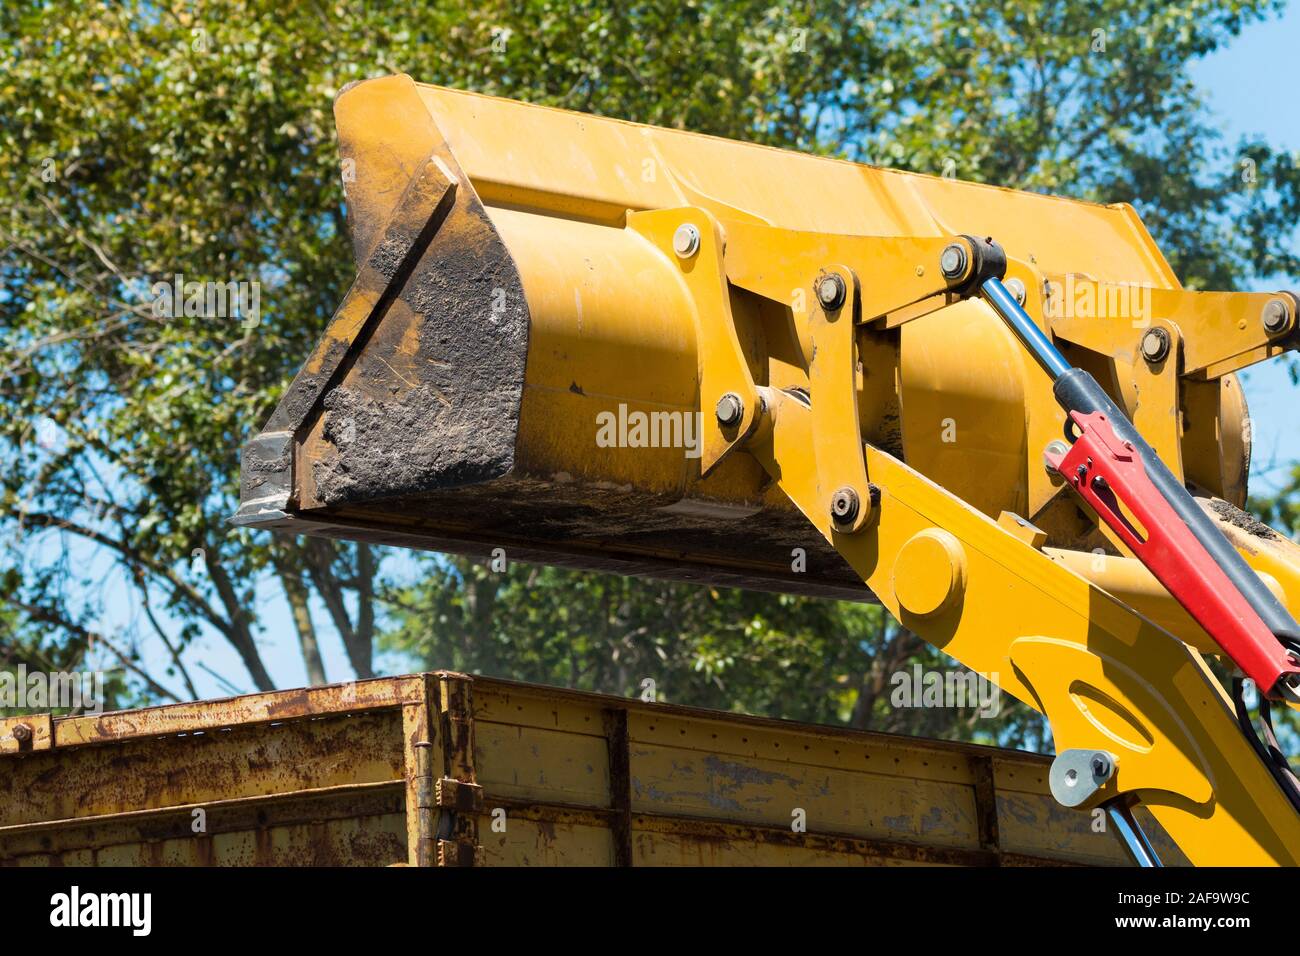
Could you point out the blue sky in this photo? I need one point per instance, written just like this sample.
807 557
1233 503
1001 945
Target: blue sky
1251 88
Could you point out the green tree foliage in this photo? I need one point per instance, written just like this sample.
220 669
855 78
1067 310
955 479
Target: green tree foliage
1281 509
779 655
140 140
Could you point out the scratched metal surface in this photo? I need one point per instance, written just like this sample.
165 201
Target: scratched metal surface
328 777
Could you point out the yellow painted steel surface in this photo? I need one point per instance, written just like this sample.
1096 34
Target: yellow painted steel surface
1106 678
551 251
596 343
442 769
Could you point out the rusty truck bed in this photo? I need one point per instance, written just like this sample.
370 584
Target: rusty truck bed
444 769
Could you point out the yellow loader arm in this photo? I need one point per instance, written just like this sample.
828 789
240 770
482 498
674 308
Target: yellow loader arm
610 346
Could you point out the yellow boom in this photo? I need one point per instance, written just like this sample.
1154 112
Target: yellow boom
605 345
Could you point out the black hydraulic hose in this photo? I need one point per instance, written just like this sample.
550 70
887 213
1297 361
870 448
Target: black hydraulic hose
1077 391
1271 754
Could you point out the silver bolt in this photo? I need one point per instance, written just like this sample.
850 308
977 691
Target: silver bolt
831 291
1017 290
686 241
1276 316
952 261
1054 449
730 409
844 506
1155 345
1101 765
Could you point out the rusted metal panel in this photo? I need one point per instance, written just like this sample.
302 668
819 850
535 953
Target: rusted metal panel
780 778
618 746
1030 821
349 841
548 836
444 769
358 696
356 826
670 842
456 709
547 766
680 782
419 740
986 802
458 843
199 768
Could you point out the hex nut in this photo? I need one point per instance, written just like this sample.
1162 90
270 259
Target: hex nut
1155 345
686 241
831 291
1276 316
844 506
1017 290
953 261
730 409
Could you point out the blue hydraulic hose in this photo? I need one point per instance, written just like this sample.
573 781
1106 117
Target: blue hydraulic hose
1024 327
1077 391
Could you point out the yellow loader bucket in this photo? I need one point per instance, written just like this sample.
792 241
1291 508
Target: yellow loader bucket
520 362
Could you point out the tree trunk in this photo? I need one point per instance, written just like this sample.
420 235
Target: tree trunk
239 633
320 558
296 593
